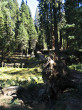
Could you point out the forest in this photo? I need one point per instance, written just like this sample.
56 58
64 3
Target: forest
41 58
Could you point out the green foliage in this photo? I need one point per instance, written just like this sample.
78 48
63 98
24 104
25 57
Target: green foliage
74 24
16 27
1 25
61 22
26 29
7 40
51 20
21 76
77 67
22 38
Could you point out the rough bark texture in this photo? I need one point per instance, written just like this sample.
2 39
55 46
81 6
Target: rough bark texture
58 77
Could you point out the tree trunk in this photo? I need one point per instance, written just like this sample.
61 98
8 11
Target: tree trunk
60 40
58 77
2 57
55 27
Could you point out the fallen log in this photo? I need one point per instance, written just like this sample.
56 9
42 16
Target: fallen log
10 90
58 77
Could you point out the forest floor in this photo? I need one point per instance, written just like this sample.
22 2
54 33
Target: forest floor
25 100
29 77
30 98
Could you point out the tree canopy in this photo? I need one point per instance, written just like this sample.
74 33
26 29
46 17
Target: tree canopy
57 25
60 22
16 27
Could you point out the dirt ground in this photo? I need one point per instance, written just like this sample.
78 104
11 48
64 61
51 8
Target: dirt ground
25 99
6 103
29 100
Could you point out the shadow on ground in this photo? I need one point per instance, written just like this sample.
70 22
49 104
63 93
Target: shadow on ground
25 99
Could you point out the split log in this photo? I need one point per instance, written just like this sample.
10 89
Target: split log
58 77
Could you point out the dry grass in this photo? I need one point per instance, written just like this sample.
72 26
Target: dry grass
15 76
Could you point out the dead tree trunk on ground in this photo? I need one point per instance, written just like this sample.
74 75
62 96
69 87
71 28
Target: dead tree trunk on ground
58 77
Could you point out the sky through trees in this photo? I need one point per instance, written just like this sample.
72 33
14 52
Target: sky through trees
32 4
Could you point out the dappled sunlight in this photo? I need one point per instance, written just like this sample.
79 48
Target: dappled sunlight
77 67
40 56
19 76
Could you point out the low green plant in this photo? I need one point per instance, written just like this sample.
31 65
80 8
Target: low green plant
19 76
77 67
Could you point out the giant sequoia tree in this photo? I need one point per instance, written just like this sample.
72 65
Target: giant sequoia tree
50 17
54 18
61 23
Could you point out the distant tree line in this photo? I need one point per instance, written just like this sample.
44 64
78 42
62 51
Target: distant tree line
59 24
16 27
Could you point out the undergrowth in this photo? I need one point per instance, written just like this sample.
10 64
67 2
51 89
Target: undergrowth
19 76
77 67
